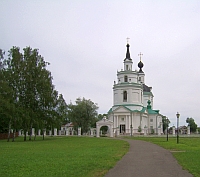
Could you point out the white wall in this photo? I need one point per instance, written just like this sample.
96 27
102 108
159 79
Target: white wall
133 96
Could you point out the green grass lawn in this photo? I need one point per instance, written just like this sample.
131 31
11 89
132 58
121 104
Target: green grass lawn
60 156
187 152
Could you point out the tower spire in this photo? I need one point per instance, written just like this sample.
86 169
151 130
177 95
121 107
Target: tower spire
128 56
128 61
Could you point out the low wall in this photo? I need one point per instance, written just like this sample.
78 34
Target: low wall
5 135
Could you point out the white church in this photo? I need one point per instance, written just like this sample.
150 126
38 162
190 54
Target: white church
132 111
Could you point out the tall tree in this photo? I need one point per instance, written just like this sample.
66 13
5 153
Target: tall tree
28 92
192 124
12 72
61 109
83 113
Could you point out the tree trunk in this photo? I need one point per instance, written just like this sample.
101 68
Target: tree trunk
8 135
14 131
9 129
24 135
43 135
35 137
30 133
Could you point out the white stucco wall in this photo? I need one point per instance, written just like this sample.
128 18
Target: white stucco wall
134 96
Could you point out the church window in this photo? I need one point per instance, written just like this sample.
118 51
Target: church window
126 67
151 120
151 127
125 78
122 119
139 78
125 96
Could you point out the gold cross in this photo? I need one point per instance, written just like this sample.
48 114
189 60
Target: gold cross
140 54
127 40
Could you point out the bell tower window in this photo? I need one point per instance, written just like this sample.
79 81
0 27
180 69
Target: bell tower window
125 96
126 67
125 78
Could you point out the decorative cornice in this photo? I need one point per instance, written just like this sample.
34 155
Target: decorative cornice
127 84
126 72
147 93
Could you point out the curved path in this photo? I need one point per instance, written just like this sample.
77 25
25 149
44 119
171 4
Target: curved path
145 159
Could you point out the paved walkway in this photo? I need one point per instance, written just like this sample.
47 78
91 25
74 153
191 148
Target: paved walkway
145 159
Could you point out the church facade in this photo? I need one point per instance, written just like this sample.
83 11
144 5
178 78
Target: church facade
132 111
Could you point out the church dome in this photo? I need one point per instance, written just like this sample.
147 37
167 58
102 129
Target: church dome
140 65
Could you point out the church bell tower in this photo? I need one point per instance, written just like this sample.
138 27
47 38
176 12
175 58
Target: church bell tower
128 61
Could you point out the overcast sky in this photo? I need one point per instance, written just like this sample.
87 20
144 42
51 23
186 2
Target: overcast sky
85 42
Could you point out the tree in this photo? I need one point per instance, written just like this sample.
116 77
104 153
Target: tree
2 53
82 114
5 98
100 116
9 90
192 124
61 109
198 128
139 129
28 98
165 122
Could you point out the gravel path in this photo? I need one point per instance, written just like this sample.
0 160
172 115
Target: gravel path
145 159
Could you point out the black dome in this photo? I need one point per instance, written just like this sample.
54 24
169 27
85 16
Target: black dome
140 65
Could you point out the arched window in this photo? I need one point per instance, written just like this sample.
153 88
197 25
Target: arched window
125 78
125 96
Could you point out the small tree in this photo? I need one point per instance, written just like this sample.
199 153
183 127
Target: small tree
192 124
139 129
165 122
83 114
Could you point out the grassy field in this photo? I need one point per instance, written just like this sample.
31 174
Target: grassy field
60 156
187 152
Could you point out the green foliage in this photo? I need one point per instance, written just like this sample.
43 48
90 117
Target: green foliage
139 129
28 98
192 124
83 114
189 147
165 122
100 116
198 130
61 156
2 53
104 129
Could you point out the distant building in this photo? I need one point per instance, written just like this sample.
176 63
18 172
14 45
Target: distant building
67 127
132 111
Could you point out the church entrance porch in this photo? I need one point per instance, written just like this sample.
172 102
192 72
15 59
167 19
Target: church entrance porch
104 123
